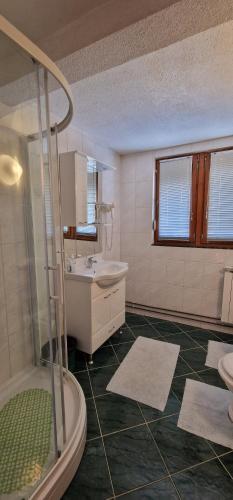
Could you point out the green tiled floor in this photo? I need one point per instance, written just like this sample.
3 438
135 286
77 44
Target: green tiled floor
136 452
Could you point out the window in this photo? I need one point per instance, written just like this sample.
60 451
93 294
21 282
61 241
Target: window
194 200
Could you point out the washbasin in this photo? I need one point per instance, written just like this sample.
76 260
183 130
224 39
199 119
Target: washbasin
103 272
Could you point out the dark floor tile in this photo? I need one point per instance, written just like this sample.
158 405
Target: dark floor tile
106 343
162 490
117 413
187 328
180 339
227 460
153 320
180 449
93 429
83 379
224 337
182 368
208 481
219 450
133 459
202 337
212 377
195 358
77 362
178 384
122 349
145 331
100 377
134 319
172 406
122 335
167 327
103 357
92 478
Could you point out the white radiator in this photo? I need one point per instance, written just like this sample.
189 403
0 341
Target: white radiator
227 300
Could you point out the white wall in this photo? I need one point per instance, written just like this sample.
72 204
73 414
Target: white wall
189 280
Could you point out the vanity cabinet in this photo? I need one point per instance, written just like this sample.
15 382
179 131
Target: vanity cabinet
93 313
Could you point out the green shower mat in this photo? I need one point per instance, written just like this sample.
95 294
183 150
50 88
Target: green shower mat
25 434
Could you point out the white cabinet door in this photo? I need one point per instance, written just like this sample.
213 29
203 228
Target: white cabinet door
101 311
117 298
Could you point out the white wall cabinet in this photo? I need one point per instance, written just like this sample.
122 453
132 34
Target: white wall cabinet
73 172
93 313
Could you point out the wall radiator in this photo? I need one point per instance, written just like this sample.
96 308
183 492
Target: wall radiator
227 300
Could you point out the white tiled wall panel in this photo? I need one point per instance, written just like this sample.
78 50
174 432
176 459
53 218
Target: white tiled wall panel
189 280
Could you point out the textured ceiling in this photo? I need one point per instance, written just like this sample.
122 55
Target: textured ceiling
60 27
177 95
179 21
164 81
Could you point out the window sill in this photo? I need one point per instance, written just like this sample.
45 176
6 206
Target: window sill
213 245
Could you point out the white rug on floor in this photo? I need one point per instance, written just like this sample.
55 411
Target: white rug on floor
146 372
204 412
216 350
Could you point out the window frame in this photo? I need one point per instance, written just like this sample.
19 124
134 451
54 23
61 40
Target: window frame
199 203
73 234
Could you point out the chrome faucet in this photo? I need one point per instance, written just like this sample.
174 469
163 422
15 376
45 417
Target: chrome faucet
90 261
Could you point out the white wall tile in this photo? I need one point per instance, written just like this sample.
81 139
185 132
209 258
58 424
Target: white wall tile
143 194
192 300
127 170
175 272
193 274
143 219
158 271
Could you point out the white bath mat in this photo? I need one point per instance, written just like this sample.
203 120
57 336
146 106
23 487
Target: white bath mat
146 373
216 350
204 412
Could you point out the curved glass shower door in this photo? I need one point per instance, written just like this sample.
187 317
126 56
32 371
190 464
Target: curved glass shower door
32 346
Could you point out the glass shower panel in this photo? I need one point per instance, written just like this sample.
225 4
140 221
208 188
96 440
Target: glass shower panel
54 255
30 381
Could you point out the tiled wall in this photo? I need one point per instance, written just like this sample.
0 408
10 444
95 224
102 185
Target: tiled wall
15 316
189 280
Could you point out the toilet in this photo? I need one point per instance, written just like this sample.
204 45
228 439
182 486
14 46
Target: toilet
225 369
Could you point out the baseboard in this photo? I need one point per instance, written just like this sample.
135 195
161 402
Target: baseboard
178 316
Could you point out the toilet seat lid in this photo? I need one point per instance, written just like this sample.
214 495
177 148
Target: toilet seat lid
227 363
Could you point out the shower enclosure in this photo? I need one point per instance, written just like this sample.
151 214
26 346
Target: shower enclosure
36 430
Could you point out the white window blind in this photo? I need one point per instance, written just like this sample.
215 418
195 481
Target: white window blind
175 198
220 197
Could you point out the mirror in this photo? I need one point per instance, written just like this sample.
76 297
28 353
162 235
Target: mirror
81 203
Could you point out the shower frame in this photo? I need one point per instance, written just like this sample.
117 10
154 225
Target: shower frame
44 67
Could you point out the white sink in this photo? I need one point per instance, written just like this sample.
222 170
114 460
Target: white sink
103 272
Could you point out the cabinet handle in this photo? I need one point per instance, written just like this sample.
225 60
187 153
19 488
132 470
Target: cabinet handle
106 296
115 291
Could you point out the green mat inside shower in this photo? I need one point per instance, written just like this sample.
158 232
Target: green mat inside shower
25 437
